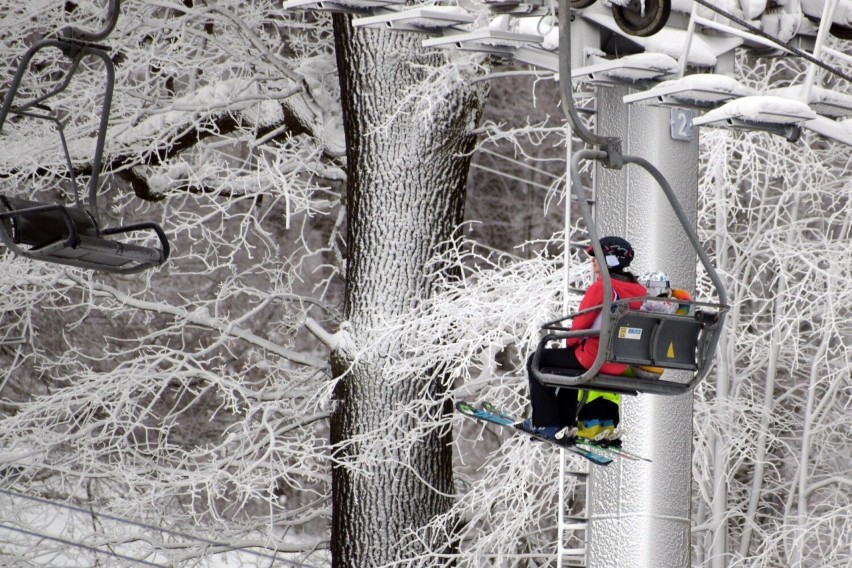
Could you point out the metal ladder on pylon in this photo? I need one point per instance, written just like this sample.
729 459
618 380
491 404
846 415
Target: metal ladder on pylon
573 528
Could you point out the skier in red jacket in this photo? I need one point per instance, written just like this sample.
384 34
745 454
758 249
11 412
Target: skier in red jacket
555 409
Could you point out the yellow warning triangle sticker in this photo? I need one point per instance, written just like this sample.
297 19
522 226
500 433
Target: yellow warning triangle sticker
670 353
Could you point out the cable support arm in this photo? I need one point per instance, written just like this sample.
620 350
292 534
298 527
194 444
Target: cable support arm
586 213
758 32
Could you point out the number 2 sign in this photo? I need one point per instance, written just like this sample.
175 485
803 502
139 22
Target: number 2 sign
681 121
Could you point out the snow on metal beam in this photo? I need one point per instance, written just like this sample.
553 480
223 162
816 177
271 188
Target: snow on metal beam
762 112
541 58
839 131
426 19
700 91
627 69
519 6
824 101
503 32
347 6
483 40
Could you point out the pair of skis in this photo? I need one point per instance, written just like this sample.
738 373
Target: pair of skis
596 453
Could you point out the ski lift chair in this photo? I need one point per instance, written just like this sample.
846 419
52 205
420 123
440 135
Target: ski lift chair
677 342
72 235
637 338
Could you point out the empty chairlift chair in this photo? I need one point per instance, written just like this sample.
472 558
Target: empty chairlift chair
72 235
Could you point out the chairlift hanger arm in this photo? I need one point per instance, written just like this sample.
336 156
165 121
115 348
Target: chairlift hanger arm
112 10
75 43
612 144
60 128
684 222
670 195
586 213
76 52
21 70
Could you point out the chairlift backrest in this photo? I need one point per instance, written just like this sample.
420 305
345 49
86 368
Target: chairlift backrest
639 338
39 227
668 341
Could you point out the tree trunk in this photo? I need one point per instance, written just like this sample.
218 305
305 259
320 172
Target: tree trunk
405 196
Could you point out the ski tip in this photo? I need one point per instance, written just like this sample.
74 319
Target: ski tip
598 461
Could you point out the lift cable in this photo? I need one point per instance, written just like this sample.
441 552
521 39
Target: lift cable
520 163
80 545
208 542
510 176
757 31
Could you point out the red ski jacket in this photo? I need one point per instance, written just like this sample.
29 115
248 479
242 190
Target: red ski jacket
586 348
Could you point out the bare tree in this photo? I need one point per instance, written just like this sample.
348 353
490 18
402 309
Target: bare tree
409 120
190 398
771 487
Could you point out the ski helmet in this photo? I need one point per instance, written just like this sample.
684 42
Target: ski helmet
618 253
657 283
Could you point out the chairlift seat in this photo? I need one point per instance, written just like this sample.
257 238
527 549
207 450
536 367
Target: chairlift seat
71 236
667 341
